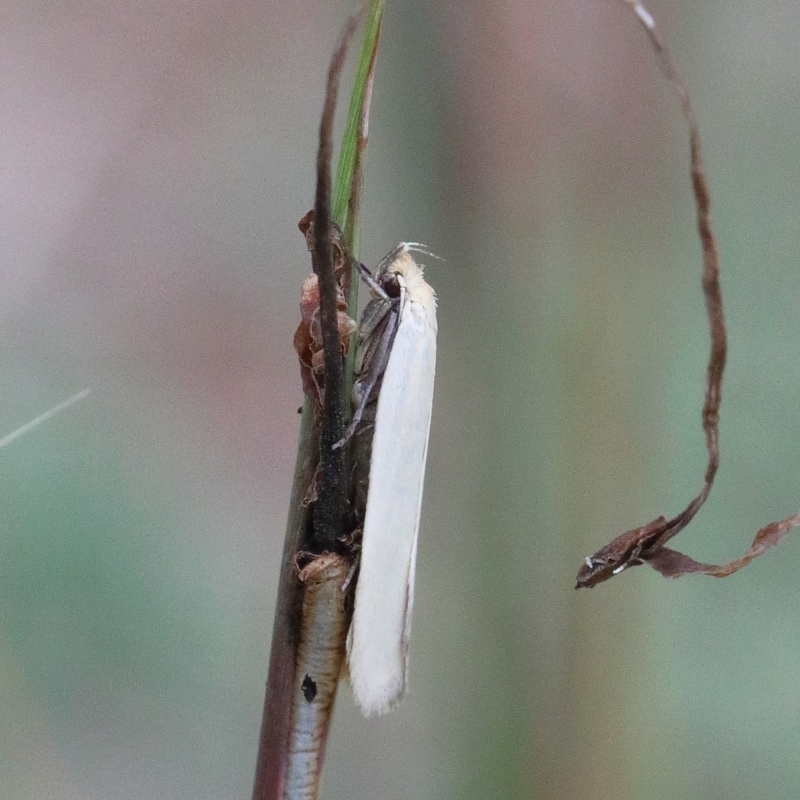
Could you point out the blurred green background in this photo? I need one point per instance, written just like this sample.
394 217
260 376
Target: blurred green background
156 158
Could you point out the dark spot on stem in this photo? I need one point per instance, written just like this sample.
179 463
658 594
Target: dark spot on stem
309 688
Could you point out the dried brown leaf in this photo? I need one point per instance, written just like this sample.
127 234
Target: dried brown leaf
672 564
646 545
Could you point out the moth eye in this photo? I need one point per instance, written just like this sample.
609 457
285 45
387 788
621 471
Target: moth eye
391 284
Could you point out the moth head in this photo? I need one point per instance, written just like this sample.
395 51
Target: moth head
399 272
392 283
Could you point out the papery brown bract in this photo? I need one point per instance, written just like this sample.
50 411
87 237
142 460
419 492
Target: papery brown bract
308 336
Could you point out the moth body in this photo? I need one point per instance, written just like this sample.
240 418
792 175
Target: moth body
393 392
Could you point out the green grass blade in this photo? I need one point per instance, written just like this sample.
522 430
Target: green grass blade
348 187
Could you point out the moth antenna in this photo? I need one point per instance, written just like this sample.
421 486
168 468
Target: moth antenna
417 247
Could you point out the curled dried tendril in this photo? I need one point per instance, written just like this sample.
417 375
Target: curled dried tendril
646 545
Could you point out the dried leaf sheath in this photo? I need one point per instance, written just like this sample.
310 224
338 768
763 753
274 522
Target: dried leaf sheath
331 488
647 543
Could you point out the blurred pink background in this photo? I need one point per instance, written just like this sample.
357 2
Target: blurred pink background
156 158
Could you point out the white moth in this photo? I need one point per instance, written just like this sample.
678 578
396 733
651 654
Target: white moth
395 362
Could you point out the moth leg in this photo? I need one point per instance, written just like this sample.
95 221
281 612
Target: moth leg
379 358
352 572
367 277
375 314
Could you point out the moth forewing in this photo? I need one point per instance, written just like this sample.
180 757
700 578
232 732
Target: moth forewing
378 640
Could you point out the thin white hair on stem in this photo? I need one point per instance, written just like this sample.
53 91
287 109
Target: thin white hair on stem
29 426
643 14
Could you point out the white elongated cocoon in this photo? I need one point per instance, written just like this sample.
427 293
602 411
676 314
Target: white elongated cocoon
377 645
